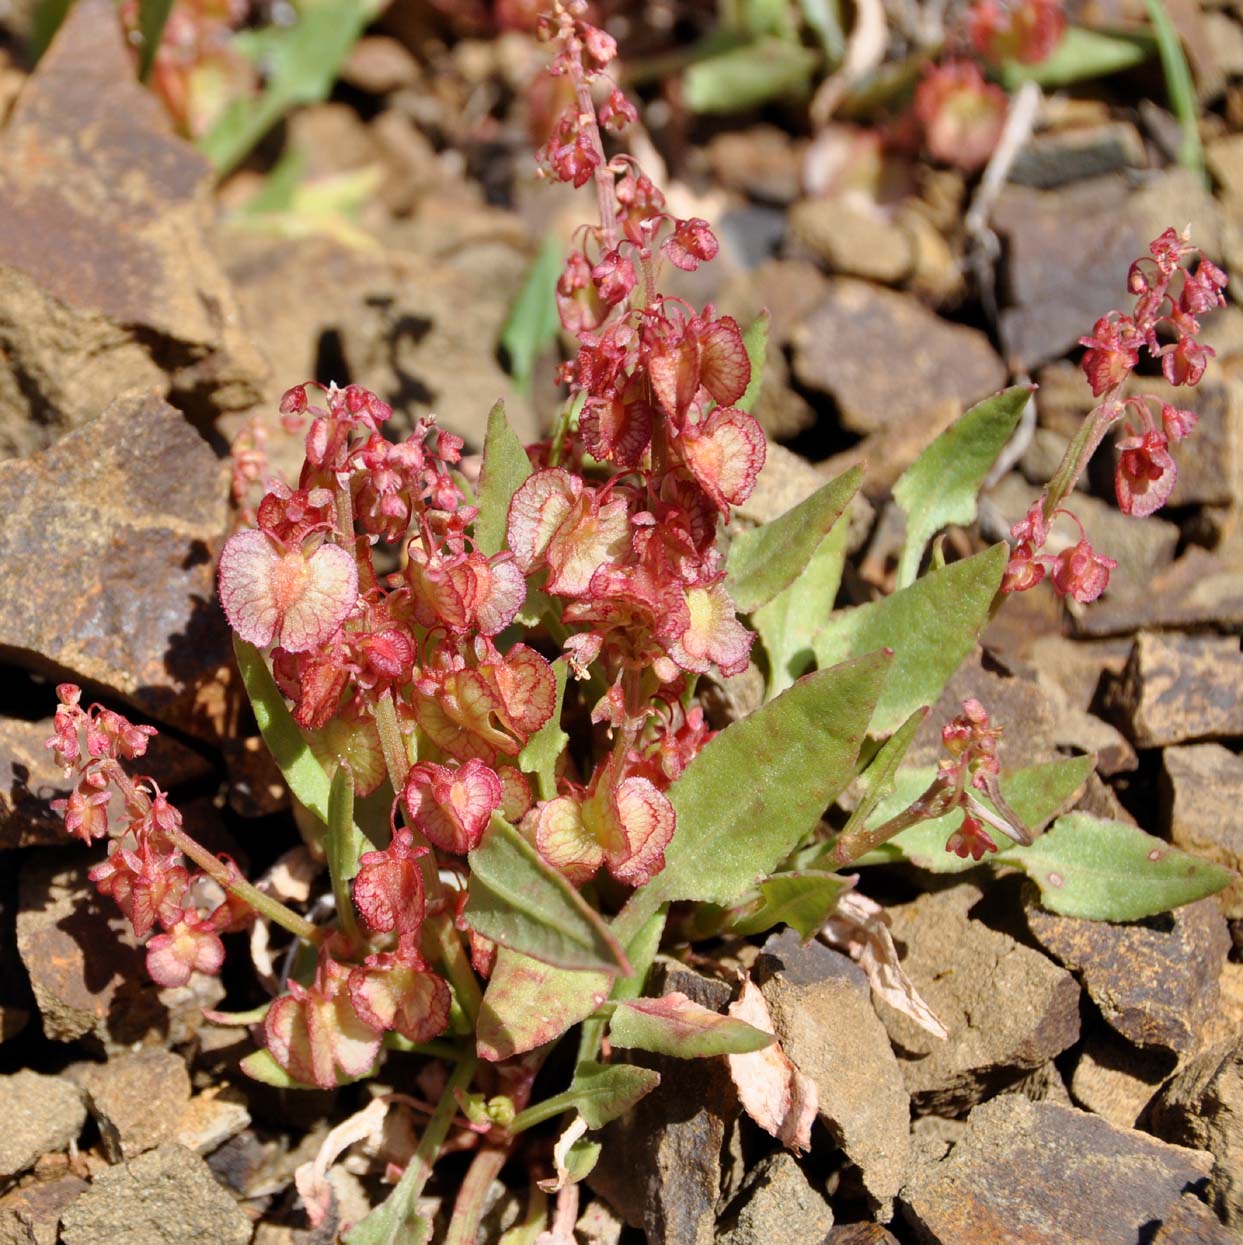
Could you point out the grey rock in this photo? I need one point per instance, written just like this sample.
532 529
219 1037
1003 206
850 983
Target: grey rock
137 1100
1155 981
1053 159
166 1196
41 1114
836 352
778 1206
1201 795
822 1011
1048 1175
1179 688
1202 1106
1008 1009
1192 1223
762 161
30 1214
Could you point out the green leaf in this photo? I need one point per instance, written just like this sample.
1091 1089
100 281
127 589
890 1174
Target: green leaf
505 467
825 18
300 62
1082 55
599 1092
45 21
941 485
545 747
746 77
533 322
519 901
302 771
788 623
769 558
1105 870
930 626
801 899
1184 101
1037 793
755 340
260 1066
678 1026
759 786
152 14
343 845
880 777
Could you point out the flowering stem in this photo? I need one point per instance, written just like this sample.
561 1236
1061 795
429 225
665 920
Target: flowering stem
265 905
850 847
472 1196
1078 454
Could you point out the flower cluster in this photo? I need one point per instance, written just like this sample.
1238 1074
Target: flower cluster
1023 30
144 871
1170 296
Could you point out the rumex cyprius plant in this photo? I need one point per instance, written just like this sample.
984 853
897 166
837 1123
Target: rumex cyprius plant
504 739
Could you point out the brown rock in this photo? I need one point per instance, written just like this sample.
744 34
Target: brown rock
1202 1106
860 1234
777 1206
379 64
209 1119
853 240
166 1196
661 1166
1210 468
88 974
1053 159
1192 1223
1048 1175
1057 297
822 1011
1155 981
137 1100
41 1114
1118 1080
106 281
30 1215
119 518
1178 688
762 162
836 352
1008 1009
1202 792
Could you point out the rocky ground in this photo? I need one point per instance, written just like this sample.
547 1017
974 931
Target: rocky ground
1091 1088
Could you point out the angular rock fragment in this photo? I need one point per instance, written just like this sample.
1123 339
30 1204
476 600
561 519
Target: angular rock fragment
1008 1009
30 1214
1191 1222
1116 1079
822 1011
106 280
1049 1175
137 1099
120 517
40 1114
835 353
166 1196
1202 1106
1201 799
777 1206
1179 688
1155 981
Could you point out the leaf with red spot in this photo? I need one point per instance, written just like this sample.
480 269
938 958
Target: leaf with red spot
537 510
725 454
675 1025
452 806
724 368
292 598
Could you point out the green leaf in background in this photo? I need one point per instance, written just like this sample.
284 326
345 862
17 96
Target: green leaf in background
879 779
45 21
302 771
1105 870
1081 56
505 468
746 77
152 16
930 626
1037 793
280 186
533 322
599 1092
766 559
755 341
343 845
545 747
788 623
940 486
1184 101
519 901
759 786
300 63
801 899
825 18
678 1026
